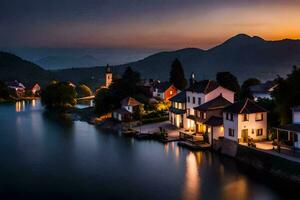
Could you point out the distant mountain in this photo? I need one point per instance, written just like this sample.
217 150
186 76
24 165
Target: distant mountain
242 55
56 62
15 68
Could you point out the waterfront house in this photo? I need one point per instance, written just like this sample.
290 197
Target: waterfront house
245 120
164 90
177 111
263 91
209 117
292 130
35 89
17 87
200 92
130 109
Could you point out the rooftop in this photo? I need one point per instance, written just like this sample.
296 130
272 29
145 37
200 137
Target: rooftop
179 97
246 106
216 103
129 101
163 86
290 127
214 121
204 86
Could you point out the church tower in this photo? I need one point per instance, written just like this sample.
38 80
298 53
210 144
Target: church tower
108 76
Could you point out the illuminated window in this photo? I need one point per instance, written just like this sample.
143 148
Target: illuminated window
171 92
259 117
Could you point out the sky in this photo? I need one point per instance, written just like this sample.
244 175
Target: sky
142 24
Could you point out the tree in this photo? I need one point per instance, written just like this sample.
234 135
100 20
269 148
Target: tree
59 95
229 81
4 91
108 99
177 77
84 91
287 95
245 89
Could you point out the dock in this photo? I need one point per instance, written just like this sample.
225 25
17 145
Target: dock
193 146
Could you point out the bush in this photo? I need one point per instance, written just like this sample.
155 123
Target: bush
84 91
59 95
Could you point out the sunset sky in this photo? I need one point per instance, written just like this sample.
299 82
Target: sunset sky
153 24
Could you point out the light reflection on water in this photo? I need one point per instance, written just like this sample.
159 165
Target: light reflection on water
83 160
191 184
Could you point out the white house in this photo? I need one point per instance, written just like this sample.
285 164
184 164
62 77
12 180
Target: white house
129 107
17 86
245 120
177 111
200 92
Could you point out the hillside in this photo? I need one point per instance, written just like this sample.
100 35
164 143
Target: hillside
243 55
15 68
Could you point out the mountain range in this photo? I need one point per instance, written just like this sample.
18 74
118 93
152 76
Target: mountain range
243 55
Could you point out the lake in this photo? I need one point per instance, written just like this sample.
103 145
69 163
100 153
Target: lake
45 157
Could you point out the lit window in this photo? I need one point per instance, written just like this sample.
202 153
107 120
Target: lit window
171 92
259 117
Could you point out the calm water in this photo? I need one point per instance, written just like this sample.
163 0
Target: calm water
42 157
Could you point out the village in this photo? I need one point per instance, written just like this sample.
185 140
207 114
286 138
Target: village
201 116
207 116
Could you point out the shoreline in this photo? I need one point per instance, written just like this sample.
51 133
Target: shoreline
259 161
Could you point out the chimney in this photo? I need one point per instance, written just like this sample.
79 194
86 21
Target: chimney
192 79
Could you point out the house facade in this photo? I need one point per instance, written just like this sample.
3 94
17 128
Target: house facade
202 100
245 120
164 90
177 111
36 89
130 107
209 117
200 93
17 87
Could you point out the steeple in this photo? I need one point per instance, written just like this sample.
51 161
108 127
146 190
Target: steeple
108 76
107 70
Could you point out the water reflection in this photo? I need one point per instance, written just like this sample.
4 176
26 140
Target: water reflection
20 106
191 188
237 189
33 103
